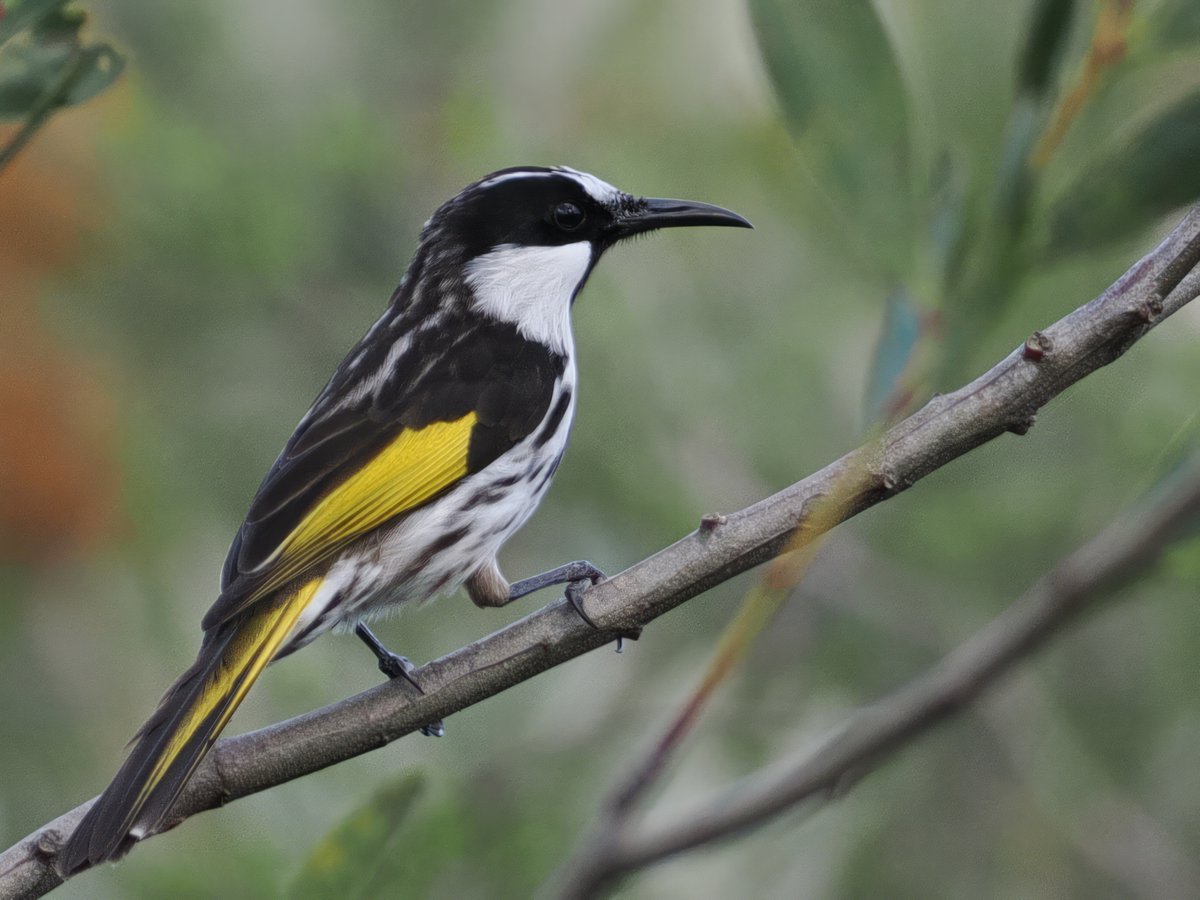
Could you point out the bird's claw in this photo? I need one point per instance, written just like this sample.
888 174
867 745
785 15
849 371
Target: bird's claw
577 588
574 593
394 666
630 634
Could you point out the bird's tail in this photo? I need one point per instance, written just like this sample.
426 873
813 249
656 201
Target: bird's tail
190 716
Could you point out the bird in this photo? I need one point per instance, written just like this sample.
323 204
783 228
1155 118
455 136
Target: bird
430 446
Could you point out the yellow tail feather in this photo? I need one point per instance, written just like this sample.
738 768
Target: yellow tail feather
257 641
182 730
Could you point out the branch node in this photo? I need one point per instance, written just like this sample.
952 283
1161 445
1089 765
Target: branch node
46 846
888 480
710 522
1037 345
1022 426
1150 310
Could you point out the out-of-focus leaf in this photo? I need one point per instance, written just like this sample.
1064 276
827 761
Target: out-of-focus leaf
456 839
899 335
17 97
59 26
102 65
24 14
947 222
835 73
1142 180
29 71
1048 29
1014 179
1175 23
345 864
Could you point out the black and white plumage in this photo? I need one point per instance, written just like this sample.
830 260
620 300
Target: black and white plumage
433 442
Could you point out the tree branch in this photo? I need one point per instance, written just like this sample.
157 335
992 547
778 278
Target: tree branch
1003 399
1132 544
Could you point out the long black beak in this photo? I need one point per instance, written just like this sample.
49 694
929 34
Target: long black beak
652 213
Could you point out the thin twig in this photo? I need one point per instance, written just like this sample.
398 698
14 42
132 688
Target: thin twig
1003 399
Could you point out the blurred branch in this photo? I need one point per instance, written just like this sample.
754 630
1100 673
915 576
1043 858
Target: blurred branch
1003 399
1127 548
1095 814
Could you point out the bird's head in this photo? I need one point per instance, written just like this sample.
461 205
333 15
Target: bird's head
525 239
534 206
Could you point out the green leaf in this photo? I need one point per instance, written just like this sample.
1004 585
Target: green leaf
1047 36
102 65
27 72
948 232
346 863
1176 23
17 97
1132 186
475 838
841 92
60 25
22 15
899 335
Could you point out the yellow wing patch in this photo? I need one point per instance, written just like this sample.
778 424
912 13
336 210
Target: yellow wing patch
410 470
254 645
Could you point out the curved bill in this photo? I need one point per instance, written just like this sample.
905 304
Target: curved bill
653 213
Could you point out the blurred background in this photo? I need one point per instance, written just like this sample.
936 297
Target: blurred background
185 258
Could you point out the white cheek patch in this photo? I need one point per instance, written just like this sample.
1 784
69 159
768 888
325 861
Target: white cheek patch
531 287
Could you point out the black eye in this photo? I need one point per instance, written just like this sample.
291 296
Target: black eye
568 216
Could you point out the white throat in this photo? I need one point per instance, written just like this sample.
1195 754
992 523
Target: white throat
531 287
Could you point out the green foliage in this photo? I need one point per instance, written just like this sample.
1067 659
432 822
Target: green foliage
52 68
353 858
1132 185
28 14
45 66
453 839
843 98
899 335
977 229
70 75
1050 25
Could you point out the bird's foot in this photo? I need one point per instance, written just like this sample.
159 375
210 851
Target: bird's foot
394 666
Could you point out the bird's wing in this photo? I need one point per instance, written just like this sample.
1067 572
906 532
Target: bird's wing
363 457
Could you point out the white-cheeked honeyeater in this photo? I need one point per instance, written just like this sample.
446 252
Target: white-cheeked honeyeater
433 442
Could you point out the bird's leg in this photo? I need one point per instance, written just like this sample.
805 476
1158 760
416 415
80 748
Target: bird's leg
489 588
395 666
